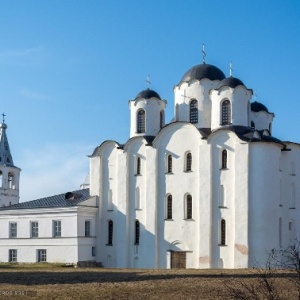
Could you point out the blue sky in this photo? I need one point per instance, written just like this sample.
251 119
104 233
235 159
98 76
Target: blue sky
68 69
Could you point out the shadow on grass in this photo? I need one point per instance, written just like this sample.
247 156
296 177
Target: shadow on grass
34 277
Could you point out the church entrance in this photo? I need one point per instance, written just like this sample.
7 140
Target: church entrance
178 260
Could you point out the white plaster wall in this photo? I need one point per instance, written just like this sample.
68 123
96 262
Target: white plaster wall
152 107
198 90
239 99
264 188
9 196
262 120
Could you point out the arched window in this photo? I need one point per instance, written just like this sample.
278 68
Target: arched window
292 232
194 111
141 124
169 164
292 196
162 119
226 112
189 207
169 208
224 159
138 166
188 163
137 232
252 125
223 232
10 180
280 232
110 232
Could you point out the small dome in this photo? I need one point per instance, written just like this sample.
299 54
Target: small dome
231 82
3 125
203 71
147 94
257 107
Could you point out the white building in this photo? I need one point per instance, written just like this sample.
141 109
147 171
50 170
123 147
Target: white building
211 189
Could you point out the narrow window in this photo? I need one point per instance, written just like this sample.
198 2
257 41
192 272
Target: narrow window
292 196
292 232
280 232
194 111
87 228
42 255
137 233
138 166
56 228
252 125
169 207
1 179
224 159
162 123
12 255
226 112
223 232
34 229
189 207
169 164
141 121
293 168
93 251
110 232
188 162
10 180
13 230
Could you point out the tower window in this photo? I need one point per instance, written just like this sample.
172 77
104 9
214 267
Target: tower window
194 111
223 233
141 124
226 112
169 164
224 159
252 125
169 208
138 166
162 119
137 233
188 163
189 207
10 180
110 232
1 179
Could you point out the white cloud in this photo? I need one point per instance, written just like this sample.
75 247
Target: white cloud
53 170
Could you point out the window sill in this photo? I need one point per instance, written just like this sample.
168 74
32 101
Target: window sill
169 220
223 169
169 173
188 219
138 209
137 174
136 244
222 245
190 171
223 206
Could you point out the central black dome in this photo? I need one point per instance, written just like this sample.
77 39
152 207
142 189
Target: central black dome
231 82
147 94
203 71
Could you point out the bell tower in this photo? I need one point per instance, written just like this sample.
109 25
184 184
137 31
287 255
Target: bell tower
9 173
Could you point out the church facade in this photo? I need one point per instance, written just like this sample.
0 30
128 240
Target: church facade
211 189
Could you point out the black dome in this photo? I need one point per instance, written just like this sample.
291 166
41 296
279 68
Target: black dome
203 71
257 107
231 82
147 94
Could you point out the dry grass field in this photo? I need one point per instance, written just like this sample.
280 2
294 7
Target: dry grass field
57 282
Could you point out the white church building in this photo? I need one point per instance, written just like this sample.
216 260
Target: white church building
211 189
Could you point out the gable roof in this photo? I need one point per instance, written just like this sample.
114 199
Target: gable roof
53 201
